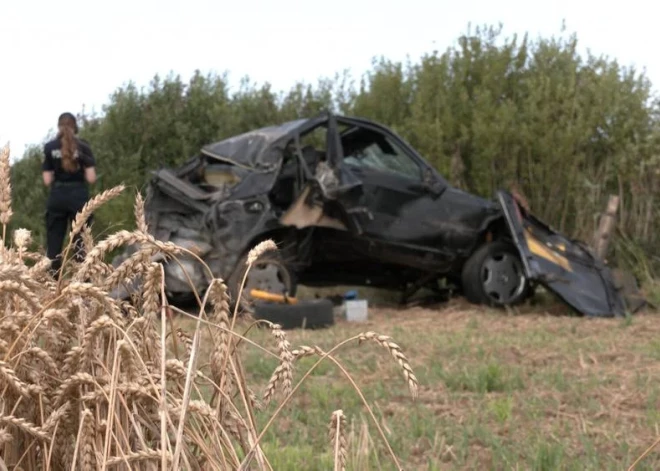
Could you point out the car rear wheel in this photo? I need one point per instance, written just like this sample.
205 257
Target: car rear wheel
494 275
269 273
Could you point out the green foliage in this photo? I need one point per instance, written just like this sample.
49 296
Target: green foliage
28 198
489 112
487 378
502 408
548 457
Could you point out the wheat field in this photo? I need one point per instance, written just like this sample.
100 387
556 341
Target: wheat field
91 383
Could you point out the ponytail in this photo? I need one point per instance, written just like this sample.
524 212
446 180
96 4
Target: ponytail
68 128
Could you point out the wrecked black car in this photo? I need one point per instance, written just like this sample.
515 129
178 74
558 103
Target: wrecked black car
350 202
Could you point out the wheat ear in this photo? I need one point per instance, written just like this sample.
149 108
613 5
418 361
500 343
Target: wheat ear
338 439
140 219
283 374
5 191
83 216
397 354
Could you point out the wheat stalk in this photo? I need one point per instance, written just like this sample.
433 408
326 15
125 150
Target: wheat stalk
140 219
83 216
25 426
113 242
130 268
151 289
91 383
397 354
338 439
128 390
383 340
137 457
305 351
60 414
22 239
45 358
283 374
9 378
21 290
260 249
87 238
92 205
5 190
5 437
219 297
128 361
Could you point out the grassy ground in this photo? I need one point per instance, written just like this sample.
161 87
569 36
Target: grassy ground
498 390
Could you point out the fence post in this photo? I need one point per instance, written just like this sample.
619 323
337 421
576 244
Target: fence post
605 227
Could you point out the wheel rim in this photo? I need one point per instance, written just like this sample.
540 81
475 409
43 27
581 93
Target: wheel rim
503 278
270 276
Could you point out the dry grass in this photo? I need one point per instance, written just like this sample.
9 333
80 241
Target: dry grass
91 383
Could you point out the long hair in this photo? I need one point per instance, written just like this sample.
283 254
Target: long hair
68 128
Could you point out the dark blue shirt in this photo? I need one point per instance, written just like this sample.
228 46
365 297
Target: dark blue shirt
53 161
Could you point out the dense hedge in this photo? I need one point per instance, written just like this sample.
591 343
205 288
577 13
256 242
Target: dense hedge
490 112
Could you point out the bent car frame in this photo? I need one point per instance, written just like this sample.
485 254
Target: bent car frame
350 202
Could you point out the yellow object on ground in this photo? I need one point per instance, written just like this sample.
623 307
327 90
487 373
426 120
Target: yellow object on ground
266 296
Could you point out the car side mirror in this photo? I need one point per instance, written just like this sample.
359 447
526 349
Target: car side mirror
429 181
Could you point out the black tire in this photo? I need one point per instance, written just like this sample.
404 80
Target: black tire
289 281
311 314
494 275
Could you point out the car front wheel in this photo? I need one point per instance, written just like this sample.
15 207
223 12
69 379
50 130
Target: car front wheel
494 275
269 273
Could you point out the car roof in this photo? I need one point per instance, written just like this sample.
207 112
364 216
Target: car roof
253 149
257 149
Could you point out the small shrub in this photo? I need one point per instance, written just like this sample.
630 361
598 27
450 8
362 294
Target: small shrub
484 379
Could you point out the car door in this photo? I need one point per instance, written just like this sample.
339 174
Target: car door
391 182
395 203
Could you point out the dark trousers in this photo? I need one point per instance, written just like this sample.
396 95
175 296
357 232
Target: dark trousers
64 202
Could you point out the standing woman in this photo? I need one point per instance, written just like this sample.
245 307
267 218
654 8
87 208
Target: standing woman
68 168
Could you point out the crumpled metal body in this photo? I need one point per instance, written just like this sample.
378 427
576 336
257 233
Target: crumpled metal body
341 223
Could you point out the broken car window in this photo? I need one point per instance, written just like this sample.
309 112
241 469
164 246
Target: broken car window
365 148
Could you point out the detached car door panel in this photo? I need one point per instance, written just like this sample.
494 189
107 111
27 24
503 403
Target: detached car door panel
562 265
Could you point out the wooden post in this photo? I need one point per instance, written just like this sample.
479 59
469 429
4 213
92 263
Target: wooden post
605 227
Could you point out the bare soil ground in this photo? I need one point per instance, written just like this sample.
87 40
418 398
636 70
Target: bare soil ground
535 389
